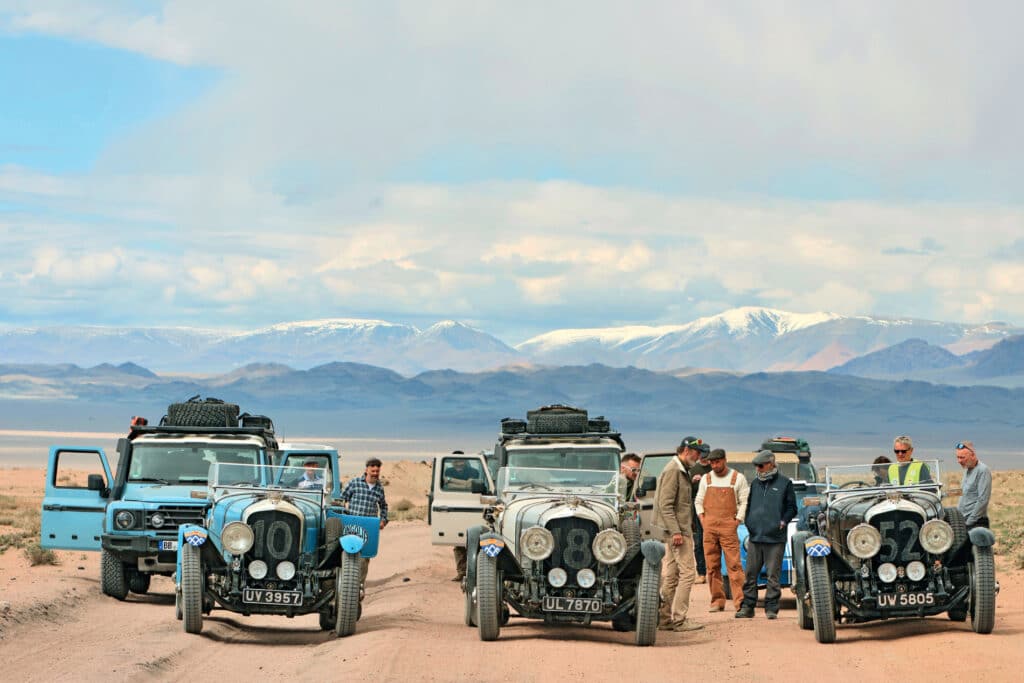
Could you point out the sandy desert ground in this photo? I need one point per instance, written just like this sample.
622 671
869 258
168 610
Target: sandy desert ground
56 626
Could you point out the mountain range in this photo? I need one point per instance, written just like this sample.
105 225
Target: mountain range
742 340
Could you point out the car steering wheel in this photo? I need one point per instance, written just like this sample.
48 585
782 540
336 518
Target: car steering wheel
858 484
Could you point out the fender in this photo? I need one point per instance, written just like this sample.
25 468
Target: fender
472 546
982 537
799 566
817 546
192 534
493 544
352 544
653 551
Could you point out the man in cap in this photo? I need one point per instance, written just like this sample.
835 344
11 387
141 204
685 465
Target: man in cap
770 507
694 454
976 486
673 513
721 505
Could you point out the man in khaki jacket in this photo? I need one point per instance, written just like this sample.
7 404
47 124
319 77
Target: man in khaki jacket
672 512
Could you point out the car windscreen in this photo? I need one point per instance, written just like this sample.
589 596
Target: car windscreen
549 479
295 480
566 458
182 463
912 473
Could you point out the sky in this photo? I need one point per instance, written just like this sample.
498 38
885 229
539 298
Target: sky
519 167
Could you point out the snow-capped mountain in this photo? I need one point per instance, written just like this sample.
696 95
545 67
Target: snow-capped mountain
753 339
302 344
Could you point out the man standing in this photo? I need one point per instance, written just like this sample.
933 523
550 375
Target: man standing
458 477
364 497
770 507
721 505
311 477
696 471
629 468
672 514
976 486
906 470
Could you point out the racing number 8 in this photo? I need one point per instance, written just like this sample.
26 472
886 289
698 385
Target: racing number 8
577 550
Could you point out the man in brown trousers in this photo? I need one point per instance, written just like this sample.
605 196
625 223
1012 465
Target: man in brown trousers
721 504
672 512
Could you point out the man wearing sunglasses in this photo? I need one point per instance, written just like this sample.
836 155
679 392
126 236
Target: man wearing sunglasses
976 486
629 469
907 471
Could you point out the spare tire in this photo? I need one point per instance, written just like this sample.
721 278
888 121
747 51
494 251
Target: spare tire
211 412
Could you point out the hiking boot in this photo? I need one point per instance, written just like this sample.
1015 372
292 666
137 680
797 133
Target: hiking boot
688 625
701 579
745 613
665 626
716 608
457 578
769 614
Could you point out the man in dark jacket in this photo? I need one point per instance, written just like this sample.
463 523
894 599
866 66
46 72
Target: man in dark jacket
770 507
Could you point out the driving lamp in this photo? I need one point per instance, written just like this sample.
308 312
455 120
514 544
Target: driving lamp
237 537
557 577
609 546
936 536
586 578
915 570
285 570
864 541
887 572
257 569
537 543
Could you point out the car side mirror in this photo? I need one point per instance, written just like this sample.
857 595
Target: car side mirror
477 486
95 482
488 500
647 484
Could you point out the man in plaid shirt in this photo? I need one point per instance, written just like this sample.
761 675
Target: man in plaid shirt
364 497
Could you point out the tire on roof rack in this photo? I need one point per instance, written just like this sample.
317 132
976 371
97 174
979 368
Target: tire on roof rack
511 425
557 419
209 412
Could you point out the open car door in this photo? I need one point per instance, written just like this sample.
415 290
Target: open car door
77 487
651 466
457 481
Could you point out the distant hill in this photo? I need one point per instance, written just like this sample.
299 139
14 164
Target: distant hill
906 359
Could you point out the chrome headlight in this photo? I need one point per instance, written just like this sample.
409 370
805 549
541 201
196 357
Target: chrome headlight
124 519
537 543
157 520
257 569
936 536
864 541
237 537
285 570
609 546
887 572
557 577
915 570
585 578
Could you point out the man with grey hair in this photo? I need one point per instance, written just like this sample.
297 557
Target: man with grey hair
976 486
906 470
770 507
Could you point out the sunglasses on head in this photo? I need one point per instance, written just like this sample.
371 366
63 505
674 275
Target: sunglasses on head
962 446
900 451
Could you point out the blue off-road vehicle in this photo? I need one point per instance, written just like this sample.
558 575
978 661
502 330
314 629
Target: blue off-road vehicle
132 515
274 540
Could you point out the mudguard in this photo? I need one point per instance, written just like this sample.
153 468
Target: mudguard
472 546
798 552
817 546
982 537
366 529
191 534
493 545
653 551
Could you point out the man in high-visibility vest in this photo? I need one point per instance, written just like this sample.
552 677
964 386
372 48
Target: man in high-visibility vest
906 471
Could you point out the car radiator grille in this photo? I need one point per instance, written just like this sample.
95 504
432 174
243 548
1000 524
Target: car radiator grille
174 516
900 537
573 539
277 536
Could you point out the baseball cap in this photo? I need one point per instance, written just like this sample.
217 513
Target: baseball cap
691 442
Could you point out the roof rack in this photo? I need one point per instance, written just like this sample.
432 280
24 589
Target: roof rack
139 430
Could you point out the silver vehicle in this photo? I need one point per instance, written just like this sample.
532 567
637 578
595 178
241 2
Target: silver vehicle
558 541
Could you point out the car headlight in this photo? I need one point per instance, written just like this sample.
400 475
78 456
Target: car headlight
124 519
609 546
537 543
557 577
157 520
257 569
936 536
285 570
586 578
864 541
237 537
887 572
915 570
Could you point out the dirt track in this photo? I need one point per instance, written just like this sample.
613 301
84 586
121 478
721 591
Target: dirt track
59 627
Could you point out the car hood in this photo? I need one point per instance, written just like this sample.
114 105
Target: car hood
165 493
522 513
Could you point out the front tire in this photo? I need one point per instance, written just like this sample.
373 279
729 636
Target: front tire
346 595
820 584
192 588
469 613
488 600
113 579
647 600
983 590
139 582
